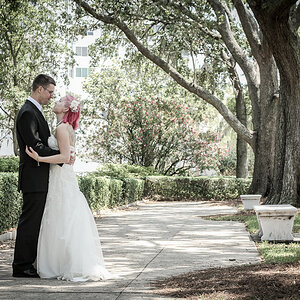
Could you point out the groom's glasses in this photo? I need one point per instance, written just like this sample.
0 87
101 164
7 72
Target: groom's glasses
50 92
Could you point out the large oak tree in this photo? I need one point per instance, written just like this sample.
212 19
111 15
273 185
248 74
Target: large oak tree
272 45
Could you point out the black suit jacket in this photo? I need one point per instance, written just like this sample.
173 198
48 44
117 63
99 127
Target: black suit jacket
33 131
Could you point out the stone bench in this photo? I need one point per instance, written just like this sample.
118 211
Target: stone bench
249 201
275 222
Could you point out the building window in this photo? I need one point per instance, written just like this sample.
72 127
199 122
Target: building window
81 51
71 72
82 72
89 33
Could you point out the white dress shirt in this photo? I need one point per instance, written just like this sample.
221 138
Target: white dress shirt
38 105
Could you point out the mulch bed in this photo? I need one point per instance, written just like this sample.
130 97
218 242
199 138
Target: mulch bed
262 281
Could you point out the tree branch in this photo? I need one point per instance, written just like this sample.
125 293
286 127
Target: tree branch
193 88
250 27
249 68
5 111
192 16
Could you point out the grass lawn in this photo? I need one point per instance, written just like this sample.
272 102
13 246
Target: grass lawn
271 252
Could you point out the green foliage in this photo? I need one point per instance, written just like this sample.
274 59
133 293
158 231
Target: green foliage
271 252
32 42
133 189
116 193
122 171
10 201
9 164
227 166
250 220
96 190
164 133
195 188
280 253
173 35
105 192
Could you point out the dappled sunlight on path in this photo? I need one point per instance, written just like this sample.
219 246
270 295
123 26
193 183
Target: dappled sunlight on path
156 240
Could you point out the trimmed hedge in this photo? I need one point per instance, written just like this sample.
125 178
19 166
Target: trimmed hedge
10 201
116 193
9 163
195 188
95 190
101 191
133 190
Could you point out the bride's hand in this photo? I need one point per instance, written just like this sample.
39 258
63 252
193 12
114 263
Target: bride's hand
72 158
32 153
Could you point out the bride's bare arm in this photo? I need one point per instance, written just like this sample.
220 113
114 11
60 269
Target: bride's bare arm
63 139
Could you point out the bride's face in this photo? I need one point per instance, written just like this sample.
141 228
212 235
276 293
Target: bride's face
60 106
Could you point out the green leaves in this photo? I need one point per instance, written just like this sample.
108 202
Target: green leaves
32 42
127 124
10 201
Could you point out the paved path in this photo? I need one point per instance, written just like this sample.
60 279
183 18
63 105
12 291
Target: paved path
142 244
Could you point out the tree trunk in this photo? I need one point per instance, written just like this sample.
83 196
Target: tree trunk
14 136
283 41
240 107
242 158
271 161
241 145
264 150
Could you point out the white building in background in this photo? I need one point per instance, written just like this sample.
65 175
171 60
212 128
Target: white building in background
81 70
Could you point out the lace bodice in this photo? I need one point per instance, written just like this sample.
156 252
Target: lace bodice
53 144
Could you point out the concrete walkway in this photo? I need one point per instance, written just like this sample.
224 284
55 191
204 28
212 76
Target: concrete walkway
142 244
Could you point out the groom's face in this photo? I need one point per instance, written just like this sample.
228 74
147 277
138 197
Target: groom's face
46 94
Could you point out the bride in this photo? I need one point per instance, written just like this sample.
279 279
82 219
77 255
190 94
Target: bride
68 246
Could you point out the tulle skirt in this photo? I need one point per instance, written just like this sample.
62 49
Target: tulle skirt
69 247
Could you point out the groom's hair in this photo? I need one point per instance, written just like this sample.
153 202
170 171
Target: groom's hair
42 80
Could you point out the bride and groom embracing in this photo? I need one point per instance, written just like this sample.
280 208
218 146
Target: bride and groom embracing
56 229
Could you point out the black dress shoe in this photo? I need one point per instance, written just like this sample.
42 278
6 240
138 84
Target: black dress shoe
30 273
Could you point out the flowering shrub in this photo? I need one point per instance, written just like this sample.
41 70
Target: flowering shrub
150 131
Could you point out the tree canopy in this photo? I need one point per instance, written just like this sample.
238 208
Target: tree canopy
162 31
33 41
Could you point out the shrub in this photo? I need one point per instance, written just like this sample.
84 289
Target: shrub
122 171
116 193
133 185
195 188
133 190
96 190
227 165
9 163
102 193
10 201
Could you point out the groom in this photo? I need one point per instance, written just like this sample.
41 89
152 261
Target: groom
32 130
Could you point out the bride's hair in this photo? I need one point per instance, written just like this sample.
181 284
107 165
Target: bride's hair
73 114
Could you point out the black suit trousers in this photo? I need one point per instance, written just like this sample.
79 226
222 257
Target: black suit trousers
28 230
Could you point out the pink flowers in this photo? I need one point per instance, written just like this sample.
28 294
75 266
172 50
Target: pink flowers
158 127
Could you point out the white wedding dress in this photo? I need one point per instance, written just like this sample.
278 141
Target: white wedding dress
69 246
